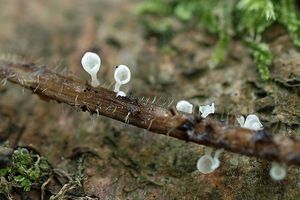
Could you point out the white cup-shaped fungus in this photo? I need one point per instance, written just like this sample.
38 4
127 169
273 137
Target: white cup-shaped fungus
252 122
206 110
184 106
206 163
122 76
277 171
91 63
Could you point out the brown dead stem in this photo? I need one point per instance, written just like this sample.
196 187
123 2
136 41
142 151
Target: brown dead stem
149 116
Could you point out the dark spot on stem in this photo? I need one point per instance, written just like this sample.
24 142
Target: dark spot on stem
84 108
27 65
209 129
134 110
189 124
224 144
262 137
173 112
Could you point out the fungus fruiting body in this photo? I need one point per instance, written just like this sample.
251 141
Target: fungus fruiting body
122 76
184 106
91 63
206 163
277 171
252 122
206 110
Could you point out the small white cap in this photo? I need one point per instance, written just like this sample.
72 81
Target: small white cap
207 109
184 106
252 122
206 164
277 171
121 93
122 74
91 62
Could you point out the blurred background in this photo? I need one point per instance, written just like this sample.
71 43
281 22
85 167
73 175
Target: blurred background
241 54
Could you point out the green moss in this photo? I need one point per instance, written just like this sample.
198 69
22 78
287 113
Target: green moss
157 7
220 49
262 57
26 168
240 19
290 18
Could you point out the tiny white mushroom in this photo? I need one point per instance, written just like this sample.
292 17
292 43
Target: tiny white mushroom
252 122
122 76
206 163
184 106
277 171
206 110
91 63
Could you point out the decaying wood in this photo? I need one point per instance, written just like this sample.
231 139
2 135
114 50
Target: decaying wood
146 115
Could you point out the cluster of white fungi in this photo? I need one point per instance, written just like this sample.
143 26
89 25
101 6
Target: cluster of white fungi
91 63
207 163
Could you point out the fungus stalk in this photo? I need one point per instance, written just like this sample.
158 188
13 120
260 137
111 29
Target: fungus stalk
216 158
121 94
94 82
117 88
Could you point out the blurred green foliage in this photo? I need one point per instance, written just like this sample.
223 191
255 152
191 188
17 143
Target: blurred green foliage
245 20
25 169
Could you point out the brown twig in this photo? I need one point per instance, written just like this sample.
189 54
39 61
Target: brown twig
146 115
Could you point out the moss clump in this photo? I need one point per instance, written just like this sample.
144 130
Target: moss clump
246 20
25 169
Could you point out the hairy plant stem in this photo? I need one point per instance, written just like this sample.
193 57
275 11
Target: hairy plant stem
146 115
